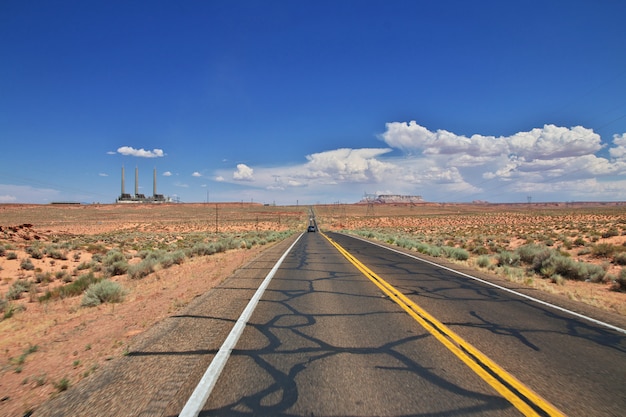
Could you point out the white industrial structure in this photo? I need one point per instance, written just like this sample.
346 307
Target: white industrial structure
141 198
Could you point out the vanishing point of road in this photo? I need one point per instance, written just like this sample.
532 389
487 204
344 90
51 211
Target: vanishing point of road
348 328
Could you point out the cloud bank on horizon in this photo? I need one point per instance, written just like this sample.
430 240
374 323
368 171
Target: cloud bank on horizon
551 163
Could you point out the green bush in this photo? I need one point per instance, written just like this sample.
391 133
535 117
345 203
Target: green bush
34 252
480 250
620 258
27 264
104 291
603 250
434 251
117 268
610 233
11 255
568 268
142 269
77 287
3 250
529 254
174 258
506 258
55 253
15 291
456 253
202 249
483 261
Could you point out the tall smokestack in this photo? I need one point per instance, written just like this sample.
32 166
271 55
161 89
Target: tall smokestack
122 180
136 181
154 183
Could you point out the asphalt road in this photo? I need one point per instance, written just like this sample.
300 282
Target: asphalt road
325 341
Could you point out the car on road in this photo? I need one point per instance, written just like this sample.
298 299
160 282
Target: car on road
311 228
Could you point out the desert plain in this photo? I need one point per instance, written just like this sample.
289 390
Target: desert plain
60 323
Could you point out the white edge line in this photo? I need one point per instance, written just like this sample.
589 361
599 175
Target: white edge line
201 394
573 313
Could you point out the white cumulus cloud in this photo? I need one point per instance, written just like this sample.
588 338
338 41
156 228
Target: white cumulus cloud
167 174
141 153
619 151
196 174
243 173
551 163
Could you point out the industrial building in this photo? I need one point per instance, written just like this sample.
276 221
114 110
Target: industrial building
141 198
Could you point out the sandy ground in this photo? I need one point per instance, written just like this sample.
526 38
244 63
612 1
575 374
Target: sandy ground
74 341
44 346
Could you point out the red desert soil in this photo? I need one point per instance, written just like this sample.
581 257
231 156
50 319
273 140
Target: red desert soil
49 343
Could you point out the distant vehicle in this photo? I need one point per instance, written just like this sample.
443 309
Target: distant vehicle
311 229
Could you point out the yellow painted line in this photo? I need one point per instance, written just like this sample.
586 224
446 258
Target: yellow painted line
523 398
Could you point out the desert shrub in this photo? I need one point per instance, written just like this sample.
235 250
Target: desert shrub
27 264
602 250
43 277
63 276
11 255
151 254
620 258
78 286
567 244
55 253
96 248
456 253
17 288
579 241
423 247
594 273
620 281
584 251
112 257
115 263
83 265
434 251
480 250
202 249
568 268
6 309
34 252
62 385
610 233
483 261
506 258
117 268
533 254
104 291
3 250
174 258
142 269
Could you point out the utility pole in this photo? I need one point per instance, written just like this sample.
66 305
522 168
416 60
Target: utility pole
216 220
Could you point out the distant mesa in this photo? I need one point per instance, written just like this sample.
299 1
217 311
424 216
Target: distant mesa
392 199
141 198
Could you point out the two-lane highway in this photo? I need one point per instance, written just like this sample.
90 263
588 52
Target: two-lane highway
324 340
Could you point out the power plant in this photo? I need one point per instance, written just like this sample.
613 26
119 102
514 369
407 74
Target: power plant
141 198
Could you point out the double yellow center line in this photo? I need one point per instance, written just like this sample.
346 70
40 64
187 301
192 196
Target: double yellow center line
522 397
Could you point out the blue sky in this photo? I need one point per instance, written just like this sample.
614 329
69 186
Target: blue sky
313 102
